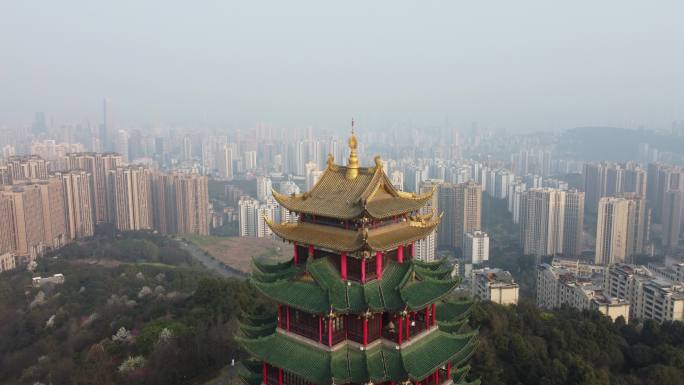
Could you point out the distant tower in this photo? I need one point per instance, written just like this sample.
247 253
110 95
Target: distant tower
39 125
105 127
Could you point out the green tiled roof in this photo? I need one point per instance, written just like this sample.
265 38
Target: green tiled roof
317 287
454 310
351 364
433 351
418 294
307 296
294 356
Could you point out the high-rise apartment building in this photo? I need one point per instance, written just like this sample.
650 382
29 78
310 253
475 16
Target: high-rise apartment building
462 208
638 223
102 193
78 205
573 225
476 247
612 229
542 221
224 162
54 212
7 233
248 216
671 218
28 221
26 168
425 249
607 179
662 178
192 203
133 197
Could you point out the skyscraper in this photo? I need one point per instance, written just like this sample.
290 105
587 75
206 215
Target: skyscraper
54 216
105 127
462 208
192 203
612 230
573 225
638 223
224 160
79 211
607 179
7 234
671 218
542 221
102 193
476 247
426 248
133 197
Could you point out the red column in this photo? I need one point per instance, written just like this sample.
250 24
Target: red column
412 250
401 329
408 325
363 270
380 324
437 376
320 329
330 330
311 250
448 370
434 314
296 254
287 309
378 264
280 376
343 266
365 331
265 373
400 254
427 317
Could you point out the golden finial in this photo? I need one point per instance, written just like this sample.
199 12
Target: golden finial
353 162
331 160
378 162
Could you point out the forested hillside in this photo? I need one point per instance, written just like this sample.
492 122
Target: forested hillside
523 345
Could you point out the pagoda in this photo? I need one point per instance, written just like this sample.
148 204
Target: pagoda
354 307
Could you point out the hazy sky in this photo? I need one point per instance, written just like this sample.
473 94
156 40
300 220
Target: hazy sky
521 65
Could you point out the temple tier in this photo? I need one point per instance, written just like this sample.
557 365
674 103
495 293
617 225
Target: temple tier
354 307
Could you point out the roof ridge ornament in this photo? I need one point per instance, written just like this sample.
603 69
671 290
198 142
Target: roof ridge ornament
353 162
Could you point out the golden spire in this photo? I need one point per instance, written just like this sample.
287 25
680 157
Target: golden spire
353 162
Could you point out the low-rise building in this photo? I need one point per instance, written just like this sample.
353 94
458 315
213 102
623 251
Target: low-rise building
57 279
652 295
495 285
558 286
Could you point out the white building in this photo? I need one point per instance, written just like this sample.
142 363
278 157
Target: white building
476 247
558 286
495 285
248 216
651 296
56 279
264 188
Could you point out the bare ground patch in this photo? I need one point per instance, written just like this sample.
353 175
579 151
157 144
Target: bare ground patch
238 252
